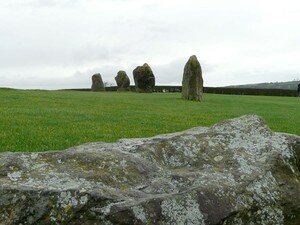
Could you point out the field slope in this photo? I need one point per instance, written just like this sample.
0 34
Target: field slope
54 120
289 85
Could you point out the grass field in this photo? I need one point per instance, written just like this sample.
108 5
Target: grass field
53 120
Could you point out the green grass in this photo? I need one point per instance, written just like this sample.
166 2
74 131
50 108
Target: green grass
52 120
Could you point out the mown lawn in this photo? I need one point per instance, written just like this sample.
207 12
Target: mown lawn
53 120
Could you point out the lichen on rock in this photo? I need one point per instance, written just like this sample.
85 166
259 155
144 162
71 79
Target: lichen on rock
235 172
144 78
123 81
192 81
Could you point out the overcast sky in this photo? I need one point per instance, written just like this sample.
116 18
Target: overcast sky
56 44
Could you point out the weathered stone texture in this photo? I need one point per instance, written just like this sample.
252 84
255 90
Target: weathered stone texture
144 78
123 81
235 172
97 83
192 82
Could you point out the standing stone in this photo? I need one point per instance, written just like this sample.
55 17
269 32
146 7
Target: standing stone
97 83
123 81
144 78
192 82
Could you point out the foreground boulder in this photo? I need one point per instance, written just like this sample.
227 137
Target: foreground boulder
192 82
144 78
97 83
123 81
236 172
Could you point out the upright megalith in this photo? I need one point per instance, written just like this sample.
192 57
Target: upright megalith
144 78
97 83
123 81
192 82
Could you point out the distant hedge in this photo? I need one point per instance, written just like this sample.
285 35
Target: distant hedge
251 91
215 90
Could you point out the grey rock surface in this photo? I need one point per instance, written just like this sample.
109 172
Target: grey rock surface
123 81
235 172
144 78
97 83
192 81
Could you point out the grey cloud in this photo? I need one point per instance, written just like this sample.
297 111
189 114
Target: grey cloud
47 41
59 55
88 52
44 3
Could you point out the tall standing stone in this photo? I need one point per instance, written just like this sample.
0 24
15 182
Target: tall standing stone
123 81
97 83
144 78
192 82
